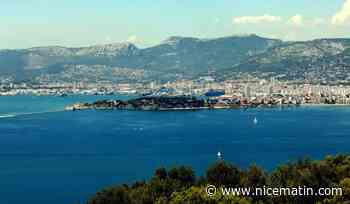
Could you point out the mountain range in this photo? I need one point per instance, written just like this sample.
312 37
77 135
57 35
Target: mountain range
181 57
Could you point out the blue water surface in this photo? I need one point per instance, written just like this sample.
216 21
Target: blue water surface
52 156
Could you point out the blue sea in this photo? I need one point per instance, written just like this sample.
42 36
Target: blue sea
53 156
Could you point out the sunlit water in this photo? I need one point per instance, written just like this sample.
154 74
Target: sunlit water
52 156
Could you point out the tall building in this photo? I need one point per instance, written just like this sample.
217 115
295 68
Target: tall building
247 91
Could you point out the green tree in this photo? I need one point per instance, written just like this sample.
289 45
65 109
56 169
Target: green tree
222 173
161 173
185 175
119 194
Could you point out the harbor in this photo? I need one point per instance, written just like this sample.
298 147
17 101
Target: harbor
217 94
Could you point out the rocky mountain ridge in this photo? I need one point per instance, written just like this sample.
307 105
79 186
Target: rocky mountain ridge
181 57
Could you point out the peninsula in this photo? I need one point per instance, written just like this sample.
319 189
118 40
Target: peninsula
164 103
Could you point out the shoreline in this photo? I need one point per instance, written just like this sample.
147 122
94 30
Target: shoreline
70 108
190 103
321 104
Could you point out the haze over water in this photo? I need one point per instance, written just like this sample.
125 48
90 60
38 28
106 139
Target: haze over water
51 156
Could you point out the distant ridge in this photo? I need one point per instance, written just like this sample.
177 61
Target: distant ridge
178 56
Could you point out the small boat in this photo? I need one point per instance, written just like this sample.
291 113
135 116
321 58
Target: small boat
219 156
255 121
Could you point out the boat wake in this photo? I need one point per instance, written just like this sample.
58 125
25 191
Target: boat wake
7 116
12 115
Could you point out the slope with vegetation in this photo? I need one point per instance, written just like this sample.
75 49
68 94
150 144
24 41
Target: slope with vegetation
180 185
179 57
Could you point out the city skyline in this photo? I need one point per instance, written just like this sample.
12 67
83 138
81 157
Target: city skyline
41 23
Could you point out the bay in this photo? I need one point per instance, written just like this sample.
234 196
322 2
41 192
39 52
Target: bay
53 156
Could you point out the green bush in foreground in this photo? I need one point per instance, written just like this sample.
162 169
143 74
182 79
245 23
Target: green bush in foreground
180 185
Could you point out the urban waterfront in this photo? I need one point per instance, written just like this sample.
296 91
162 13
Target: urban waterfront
249 91
58 156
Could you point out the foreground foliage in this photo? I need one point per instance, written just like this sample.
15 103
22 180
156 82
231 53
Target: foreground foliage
180 185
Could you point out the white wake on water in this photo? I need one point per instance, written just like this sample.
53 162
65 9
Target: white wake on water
12 115
7 116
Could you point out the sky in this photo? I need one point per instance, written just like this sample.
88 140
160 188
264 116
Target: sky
75 23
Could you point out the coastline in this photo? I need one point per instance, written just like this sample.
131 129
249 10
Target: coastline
323 105
187 103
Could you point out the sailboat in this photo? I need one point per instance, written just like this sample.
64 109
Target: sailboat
219 156
255 121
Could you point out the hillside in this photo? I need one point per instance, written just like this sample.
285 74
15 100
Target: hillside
180 185
322 59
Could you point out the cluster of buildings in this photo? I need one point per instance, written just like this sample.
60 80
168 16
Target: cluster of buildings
252 90
267 91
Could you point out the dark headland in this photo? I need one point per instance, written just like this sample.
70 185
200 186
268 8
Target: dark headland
163 103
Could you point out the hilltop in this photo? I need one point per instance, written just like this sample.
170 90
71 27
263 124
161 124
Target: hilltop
181 57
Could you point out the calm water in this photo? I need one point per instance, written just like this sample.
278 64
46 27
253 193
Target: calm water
56 157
